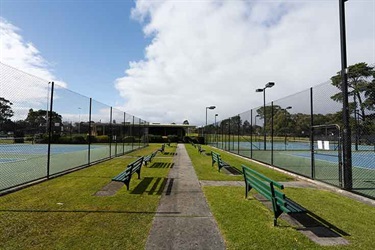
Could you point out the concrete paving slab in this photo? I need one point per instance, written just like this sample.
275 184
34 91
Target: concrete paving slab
184 233
183 219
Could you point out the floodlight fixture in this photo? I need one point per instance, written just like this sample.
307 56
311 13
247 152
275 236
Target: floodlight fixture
270 84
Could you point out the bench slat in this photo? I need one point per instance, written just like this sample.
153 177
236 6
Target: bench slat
268 188
133 167
263 177
216 158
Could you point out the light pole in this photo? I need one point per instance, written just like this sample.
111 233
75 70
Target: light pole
204 130
268 85
347 145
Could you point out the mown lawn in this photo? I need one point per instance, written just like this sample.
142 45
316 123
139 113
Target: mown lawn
63 213
248 224
204 170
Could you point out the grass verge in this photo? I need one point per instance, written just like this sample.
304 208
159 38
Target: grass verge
205 171
248 224
63 213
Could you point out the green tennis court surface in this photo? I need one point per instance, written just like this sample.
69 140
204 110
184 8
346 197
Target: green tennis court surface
20 163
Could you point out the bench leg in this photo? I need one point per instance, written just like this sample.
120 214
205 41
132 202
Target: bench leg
276 209
127 183
247 189
139 173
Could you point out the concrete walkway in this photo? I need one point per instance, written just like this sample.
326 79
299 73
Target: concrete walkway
183 219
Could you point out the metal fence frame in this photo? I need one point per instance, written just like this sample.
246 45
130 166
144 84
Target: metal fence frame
228 129
123 133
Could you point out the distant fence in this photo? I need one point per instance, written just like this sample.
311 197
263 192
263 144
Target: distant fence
47 130
303 135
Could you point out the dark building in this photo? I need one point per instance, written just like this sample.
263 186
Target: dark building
179 130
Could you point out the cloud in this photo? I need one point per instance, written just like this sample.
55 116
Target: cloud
218 52
24 72
16 52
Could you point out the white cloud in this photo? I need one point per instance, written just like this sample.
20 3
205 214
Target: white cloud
16 52
24 72
218 52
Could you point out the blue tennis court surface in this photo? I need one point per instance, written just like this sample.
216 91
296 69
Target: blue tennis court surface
43 148
8 160
362 159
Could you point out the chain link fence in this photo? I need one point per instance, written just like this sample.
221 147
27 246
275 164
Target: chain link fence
302 133
47 130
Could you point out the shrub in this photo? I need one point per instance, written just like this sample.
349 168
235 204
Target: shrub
79 139
128 139
102 139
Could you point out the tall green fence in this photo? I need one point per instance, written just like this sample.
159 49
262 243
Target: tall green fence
303 134
47 130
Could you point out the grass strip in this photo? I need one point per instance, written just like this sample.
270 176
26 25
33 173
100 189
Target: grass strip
205 171
248 224
63 213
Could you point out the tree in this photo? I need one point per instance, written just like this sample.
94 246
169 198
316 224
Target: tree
246 128
6 111
186 122
361 87
38 119
268 112
370 94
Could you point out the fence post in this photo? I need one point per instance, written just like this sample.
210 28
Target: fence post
271 133
312 162
229 133
238 134
123 134
50 130
90 133
251 133
110 133
139 132
132 134
347 145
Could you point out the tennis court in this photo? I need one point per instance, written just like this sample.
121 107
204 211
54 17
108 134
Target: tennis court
296 157
20 163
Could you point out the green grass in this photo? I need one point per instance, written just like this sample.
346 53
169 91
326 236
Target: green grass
248 224
63 213
204 170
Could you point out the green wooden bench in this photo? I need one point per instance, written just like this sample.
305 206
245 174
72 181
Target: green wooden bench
271 190
216 158
126 175
200 149
162 148
193 144
148 158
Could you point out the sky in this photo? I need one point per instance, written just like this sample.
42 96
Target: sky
166 61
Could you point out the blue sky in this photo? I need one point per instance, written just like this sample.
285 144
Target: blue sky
165 61
88 44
